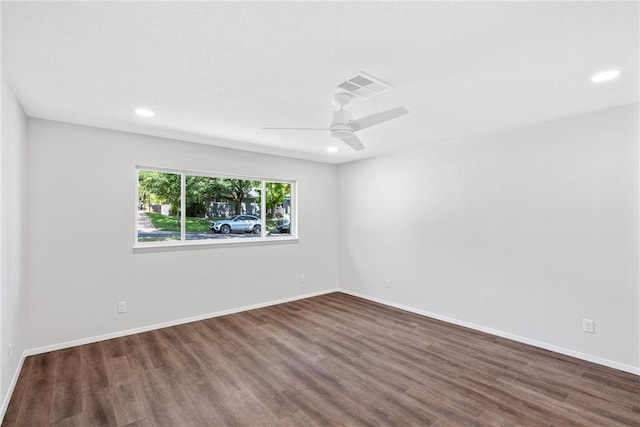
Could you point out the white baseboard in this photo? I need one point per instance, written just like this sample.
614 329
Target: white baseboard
12 386
578 355
89 340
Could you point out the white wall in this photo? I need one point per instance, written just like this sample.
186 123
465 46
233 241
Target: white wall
523 233
81 198
12 227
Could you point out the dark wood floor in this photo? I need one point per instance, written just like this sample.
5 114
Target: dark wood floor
329 360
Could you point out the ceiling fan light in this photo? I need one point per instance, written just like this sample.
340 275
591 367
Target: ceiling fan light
341 133
332 149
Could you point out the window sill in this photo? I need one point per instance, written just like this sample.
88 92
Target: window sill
191 245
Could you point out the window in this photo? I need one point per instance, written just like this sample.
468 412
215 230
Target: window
158 217
176 207
278 207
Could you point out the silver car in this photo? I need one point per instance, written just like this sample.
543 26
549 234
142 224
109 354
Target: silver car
283 224
237 223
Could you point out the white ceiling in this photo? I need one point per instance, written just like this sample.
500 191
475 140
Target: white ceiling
217 73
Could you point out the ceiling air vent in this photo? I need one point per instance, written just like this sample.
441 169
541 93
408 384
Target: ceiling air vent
364 85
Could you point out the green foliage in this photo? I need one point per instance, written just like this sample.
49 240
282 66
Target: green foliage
172 223
272 225
277 193
164 188
160 187
201 189
238 189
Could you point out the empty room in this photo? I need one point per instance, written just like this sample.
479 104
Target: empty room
320 213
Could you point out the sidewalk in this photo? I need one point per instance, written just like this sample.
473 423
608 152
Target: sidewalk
144 222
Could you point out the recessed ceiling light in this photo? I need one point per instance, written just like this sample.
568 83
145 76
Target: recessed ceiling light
332 149
605 75
143 112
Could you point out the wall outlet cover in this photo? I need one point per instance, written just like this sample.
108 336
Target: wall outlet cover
122 307
588 326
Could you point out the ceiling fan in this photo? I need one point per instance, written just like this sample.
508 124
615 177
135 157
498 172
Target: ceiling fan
343 127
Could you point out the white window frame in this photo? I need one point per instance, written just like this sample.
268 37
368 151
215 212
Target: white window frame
243 241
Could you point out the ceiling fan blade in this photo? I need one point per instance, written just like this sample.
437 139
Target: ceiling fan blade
325 129
353 141
374 119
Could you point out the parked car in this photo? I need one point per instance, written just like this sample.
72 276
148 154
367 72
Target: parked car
283 224
237 223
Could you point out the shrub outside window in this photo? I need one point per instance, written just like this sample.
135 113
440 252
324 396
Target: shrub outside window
175 207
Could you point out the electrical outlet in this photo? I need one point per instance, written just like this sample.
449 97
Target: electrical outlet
10 350
303 278
588 326
122 307
388 283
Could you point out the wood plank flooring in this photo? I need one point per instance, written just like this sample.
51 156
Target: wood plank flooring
329 360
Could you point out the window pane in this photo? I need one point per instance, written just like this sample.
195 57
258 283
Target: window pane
158 206
222 208
278 205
